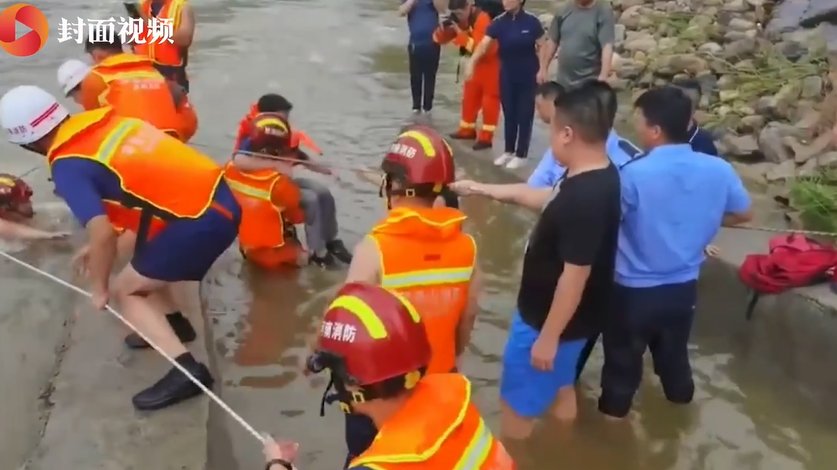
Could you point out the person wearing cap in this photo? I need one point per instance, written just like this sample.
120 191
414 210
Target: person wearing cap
374 343
118 171
16 208
272 220
321 227
421 252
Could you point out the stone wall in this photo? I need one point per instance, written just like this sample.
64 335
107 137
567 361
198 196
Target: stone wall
767 94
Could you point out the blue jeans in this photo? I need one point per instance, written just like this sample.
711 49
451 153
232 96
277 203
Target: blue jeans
424 64
517 96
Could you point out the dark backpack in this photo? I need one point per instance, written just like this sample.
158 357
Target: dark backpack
793 261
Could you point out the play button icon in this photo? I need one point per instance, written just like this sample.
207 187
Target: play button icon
23 30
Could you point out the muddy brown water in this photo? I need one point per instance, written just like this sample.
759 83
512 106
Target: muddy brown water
342 63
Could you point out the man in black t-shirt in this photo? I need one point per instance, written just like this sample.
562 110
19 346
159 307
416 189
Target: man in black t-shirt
568 266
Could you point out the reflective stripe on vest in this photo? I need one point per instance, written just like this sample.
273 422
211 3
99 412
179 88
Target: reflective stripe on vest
249 190
478 449
427 277
165 53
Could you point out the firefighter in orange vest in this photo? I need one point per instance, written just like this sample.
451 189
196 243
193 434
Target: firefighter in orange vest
466 27
169 54
374 343
129 82
273 103
270 201
421 252
117 171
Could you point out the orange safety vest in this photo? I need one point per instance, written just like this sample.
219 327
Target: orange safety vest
155 170
262 222
136 89
160 51
438 428
298 138
426 257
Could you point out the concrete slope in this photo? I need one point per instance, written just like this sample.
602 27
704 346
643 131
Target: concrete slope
93 424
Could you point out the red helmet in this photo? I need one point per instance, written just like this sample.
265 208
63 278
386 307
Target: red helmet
371 336
270 133
419 157
15 197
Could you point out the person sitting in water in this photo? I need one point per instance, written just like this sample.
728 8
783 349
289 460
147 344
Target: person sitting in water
270 201
15 208
321 227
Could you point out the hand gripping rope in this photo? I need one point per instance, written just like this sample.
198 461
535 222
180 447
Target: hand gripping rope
261 438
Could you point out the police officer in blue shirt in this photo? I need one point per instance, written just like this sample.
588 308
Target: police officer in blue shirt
674 201
518 33
549 171
422 19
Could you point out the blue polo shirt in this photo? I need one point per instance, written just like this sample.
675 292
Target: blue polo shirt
421 21
516 36
673 202
549 171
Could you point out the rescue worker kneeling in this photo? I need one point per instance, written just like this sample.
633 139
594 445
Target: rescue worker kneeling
271 216
374 344
420 251
117 171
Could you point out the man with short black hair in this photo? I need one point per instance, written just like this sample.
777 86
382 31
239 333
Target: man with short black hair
674 201
568 265
700 139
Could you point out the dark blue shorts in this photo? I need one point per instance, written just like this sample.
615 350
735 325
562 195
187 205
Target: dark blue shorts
185 249
529 391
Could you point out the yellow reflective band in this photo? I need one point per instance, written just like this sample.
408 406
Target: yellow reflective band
427 277
7 181
357 307
488 128
478 449
469 46
409 305
249 190
467 125
422 139
151 75
372 466
111 142
264 122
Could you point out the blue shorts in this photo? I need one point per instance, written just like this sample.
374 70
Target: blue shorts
185 249
529 391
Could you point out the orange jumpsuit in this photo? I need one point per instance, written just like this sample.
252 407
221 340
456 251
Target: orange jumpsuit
482 91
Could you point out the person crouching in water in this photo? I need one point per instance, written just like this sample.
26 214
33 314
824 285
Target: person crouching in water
318 203
271 214
420 251
16 208
375 346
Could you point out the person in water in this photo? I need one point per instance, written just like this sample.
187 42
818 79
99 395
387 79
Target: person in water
466 27
420 251
374 344
16 209
117 171
271 214
317 201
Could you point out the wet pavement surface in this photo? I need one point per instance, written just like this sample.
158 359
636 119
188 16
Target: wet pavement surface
342 63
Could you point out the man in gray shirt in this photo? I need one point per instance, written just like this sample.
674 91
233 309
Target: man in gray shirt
582 33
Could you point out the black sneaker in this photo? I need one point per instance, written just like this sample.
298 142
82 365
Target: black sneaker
173 388
180 324
326 262
338 249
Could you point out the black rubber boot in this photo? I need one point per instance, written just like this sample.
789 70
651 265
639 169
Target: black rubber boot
326 261
174 387
482 145
338 249
180 324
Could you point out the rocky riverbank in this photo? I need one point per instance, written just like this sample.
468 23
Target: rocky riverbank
768 94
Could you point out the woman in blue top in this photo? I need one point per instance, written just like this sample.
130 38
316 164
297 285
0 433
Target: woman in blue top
518 34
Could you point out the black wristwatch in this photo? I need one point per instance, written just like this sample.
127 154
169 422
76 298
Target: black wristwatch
284 463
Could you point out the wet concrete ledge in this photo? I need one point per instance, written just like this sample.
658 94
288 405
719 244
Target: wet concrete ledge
92 424
793 335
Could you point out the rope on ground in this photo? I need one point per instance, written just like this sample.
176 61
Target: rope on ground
816 233
204 388
268 156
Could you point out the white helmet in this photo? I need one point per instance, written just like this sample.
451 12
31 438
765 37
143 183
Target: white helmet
28 113
71 73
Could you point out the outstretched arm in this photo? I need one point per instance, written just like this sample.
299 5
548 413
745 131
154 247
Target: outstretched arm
15 230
